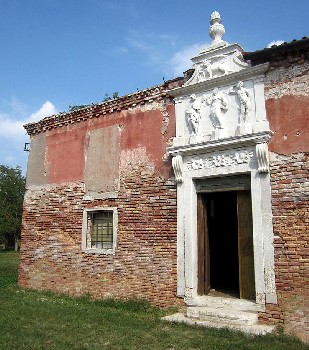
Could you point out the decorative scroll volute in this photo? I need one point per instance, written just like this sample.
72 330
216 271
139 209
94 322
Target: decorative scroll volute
177 166
262 157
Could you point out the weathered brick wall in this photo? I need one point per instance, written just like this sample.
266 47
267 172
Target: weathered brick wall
109 155
144 264
290 203
287 103
290 193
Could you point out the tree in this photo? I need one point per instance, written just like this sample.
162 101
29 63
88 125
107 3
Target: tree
12 190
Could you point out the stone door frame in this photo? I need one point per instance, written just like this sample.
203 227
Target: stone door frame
244 156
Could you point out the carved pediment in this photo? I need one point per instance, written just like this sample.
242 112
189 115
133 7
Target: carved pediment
208 65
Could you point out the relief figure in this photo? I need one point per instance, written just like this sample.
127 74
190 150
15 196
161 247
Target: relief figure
194 114
211 67
244 100
218 104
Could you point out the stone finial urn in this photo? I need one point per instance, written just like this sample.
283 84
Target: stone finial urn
216 30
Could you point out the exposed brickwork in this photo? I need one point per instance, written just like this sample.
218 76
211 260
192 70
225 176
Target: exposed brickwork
145 261
272 315
290 203
144 264
287 80
287 107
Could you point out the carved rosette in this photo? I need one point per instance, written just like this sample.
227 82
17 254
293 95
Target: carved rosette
177 167
262 157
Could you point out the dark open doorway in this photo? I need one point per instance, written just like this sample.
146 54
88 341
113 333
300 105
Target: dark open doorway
225 244
223 241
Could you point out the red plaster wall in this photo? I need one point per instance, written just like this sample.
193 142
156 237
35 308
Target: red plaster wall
151 129
145 129
289 120
65 155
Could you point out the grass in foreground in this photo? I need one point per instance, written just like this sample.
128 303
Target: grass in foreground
40 320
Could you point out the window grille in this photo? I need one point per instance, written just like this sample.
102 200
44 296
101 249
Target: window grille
100 229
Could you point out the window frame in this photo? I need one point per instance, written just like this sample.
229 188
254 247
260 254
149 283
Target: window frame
86 213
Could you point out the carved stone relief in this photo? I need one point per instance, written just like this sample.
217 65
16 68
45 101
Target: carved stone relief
212 67
193 114
220 160
244 105
218 105
227 115
228 103
244 100
208 67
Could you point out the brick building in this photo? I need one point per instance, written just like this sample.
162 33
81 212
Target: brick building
193 193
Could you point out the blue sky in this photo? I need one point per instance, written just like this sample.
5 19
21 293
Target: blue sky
56 53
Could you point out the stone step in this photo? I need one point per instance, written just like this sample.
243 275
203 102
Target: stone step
258 329
237 317
225 303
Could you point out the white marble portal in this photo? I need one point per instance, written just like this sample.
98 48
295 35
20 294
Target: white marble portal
222 130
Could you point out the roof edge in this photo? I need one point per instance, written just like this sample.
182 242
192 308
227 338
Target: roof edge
277 50
102 108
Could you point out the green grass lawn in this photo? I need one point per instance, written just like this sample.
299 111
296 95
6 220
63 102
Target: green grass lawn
40 320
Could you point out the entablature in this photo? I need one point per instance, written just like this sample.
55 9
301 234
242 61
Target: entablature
186 148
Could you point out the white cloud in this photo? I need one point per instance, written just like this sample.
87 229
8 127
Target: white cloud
275 42
10 127
181 60
46 110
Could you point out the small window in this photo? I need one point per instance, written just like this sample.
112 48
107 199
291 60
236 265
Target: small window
99 230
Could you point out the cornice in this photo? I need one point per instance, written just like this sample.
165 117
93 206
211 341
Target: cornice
221 144
222 50
137 99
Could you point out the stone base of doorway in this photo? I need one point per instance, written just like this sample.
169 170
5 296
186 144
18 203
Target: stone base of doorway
234 314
